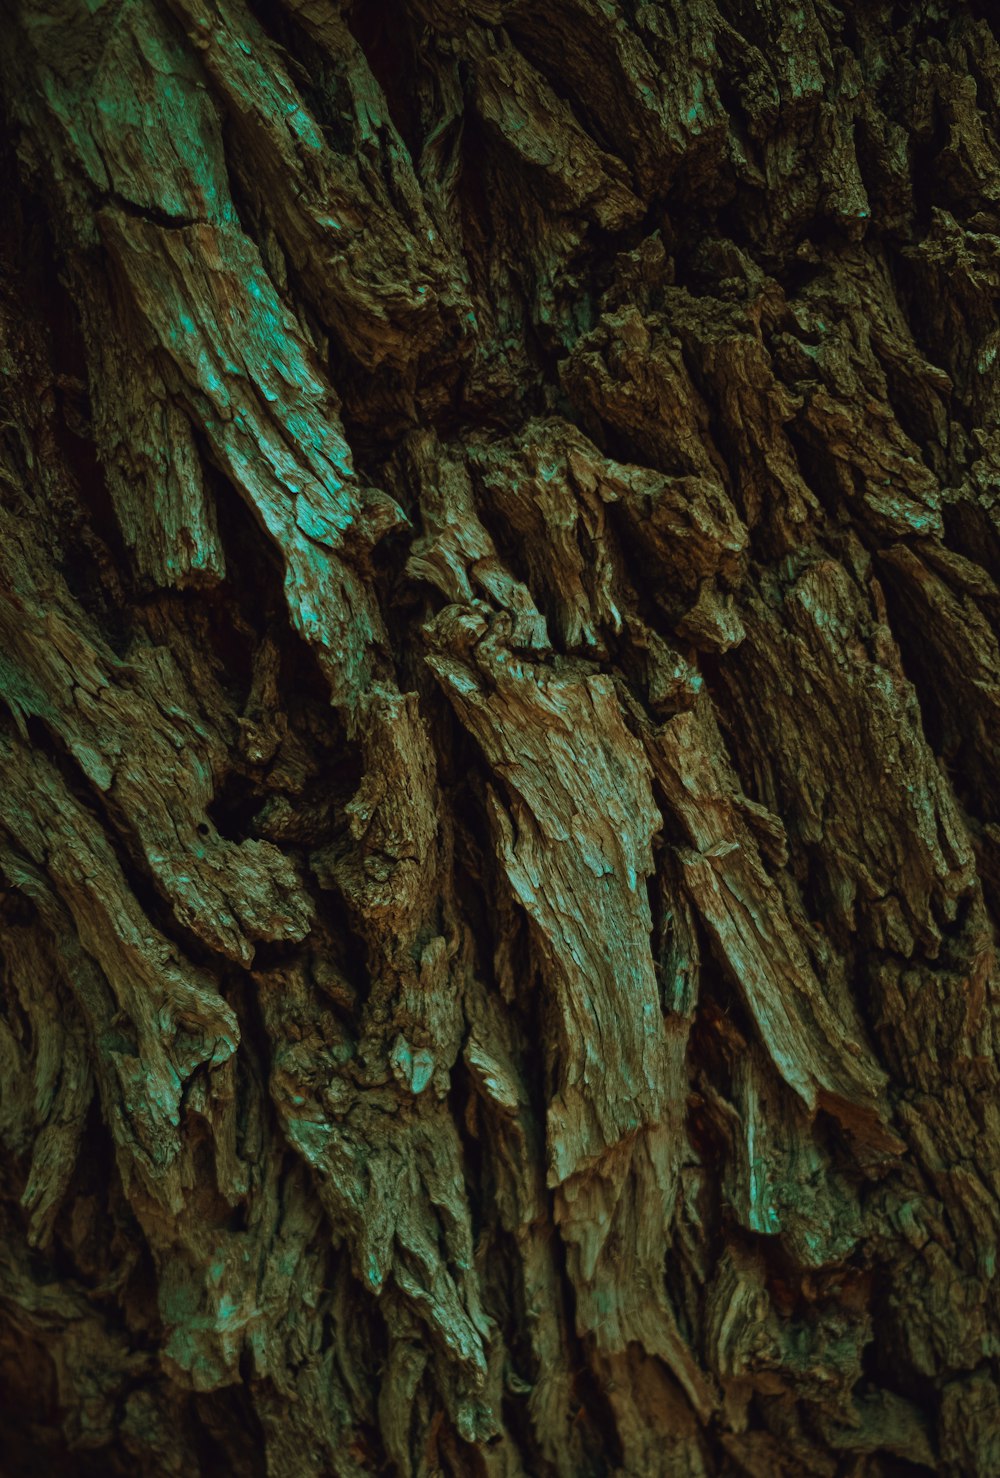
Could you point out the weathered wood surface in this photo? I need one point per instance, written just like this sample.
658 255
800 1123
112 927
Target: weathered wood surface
499 802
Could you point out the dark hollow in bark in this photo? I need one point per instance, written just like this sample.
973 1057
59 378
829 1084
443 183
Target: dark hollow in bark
499 803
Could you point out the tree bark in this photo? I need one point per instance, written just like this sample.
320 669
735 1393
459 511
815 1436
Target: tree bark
500 814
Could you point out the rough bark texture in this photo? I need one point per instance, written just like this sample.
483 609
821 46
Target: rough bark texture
500 814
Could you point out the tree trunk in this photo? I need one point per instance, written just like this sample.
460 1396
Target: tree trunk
500 808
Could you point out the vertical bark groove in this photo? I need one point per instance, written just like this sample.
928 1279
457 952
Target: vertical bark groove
500 818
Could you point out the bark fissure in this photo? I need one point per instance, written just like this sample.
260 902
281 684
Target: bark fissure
499 818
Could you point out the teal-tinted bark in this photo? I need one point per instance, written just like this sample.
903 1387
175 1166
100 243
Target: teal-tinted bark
499 685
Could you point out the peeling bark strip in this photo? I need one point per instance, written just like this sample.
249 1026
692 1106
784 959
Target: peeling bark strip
499 792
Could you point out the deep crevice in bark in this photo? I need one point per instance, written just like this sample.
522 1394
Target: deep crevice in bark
499 587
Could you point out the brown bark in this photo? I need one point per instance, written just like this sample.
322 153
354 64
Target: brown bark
499 817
